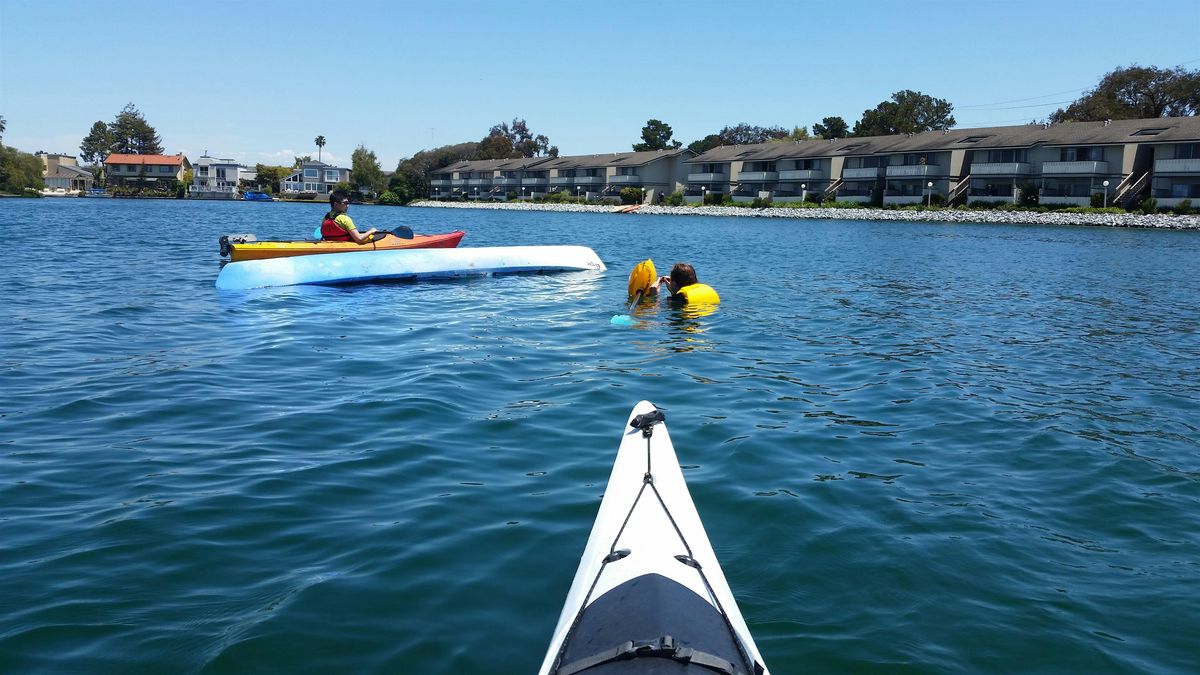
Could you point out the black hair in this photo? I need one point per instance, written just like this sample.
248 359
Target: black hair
683 274
337 196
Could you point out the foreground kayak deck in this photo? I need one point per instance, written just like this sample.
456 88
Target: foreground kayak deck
263 250
407 264
649 595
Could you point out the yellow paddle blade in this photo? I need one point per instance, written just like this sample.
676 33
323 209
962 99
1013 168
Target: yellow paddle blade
642 277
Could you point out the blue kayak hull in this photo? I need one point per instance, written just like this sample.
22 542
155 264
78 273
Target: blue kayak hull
361 266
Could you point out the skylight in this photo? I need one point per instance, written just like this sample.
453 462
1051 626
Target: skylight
1154 131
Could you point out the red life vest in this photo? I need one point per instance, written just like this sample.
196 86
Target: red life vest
331 231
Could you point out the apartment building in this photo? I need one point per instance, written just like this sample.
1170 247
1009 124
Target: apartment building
1062 164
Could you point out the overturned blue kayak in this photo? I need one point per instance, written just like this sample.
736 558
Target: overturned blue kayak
442 263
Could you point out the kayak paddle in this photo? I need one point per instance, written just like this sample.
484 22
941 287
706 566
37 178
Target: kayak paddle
641 280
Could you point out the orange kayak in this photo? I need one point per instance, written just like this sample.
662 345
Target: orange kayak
260 250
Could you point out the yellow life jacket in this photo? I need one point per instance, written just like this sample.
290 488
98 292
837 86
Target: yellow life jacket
699 293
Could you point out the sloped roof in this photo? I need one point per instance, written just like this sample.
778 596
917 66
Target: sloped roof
152 160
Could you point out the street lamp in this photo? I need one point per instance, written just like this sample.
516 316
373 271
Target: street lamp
803 192
929 195
1105 184
522 192
703 195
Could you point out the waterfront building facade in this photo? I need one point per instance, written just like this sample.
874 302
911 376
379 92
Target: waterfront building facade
151 171
1067 164
314 178
63 176
214 178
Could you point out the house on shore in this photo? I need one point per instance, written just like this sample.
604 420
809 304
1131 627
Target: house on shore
214 178
63 175
313 178
148 171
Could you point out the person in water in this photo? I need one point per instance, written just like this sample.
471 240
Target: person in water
337 226
684 286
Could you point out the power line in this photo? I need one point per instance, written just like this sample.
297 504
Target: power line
1019 100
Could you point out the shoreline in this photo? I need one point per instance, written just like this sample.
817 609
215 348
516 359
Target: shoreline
1160 221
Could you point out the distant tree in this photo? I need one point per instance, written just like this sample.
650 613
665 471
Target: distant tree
746 134
705 144
909 112
656 135
798 134
96 146
831 127
270 177
520 142
320 143
131 133
3 128
411 179
19 170
365 172
1137 92
299 161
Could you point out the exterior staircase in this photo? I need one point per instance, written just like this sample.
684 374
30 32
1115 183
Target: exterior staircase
958 191
1131 190
830 192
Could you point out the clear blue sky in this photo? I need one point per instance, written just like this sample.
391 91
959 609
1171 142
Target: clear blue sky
258 81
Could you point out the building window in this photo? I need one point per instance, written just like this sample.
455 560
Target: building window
331 176
202 171
1187 151
220 174
311 173
164 169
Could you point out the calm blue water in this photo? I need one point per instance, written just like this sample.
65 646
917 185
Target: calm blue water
917 448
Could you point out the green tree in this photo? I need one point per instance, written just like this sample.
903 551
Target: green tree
299 161
365 172
831 127
746 134
909 112
96 145
523 143
320 143
131 133
1136 92
19 170
269 177
3 128
798 134
656 135
705 144
411 178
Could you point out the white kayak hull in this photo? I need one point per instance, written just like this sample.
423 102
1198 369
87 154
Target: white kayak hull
649 594
360 266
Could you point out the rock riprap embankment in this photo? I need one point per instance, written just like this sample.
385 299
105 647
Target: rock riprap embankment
1159 221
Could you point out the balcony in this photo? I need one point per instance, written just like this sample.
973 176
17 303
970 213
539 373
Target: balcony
1074 168
625 179
708 177
1177 166
535 181
562 180
479 182
758 176
589 180
456 182
1001 169
506 181
914 170
802 174
439 182
860 174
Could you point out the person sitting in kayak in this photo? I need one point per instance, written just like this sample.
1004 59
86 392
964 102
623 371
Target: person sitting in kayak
685 287
337 226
